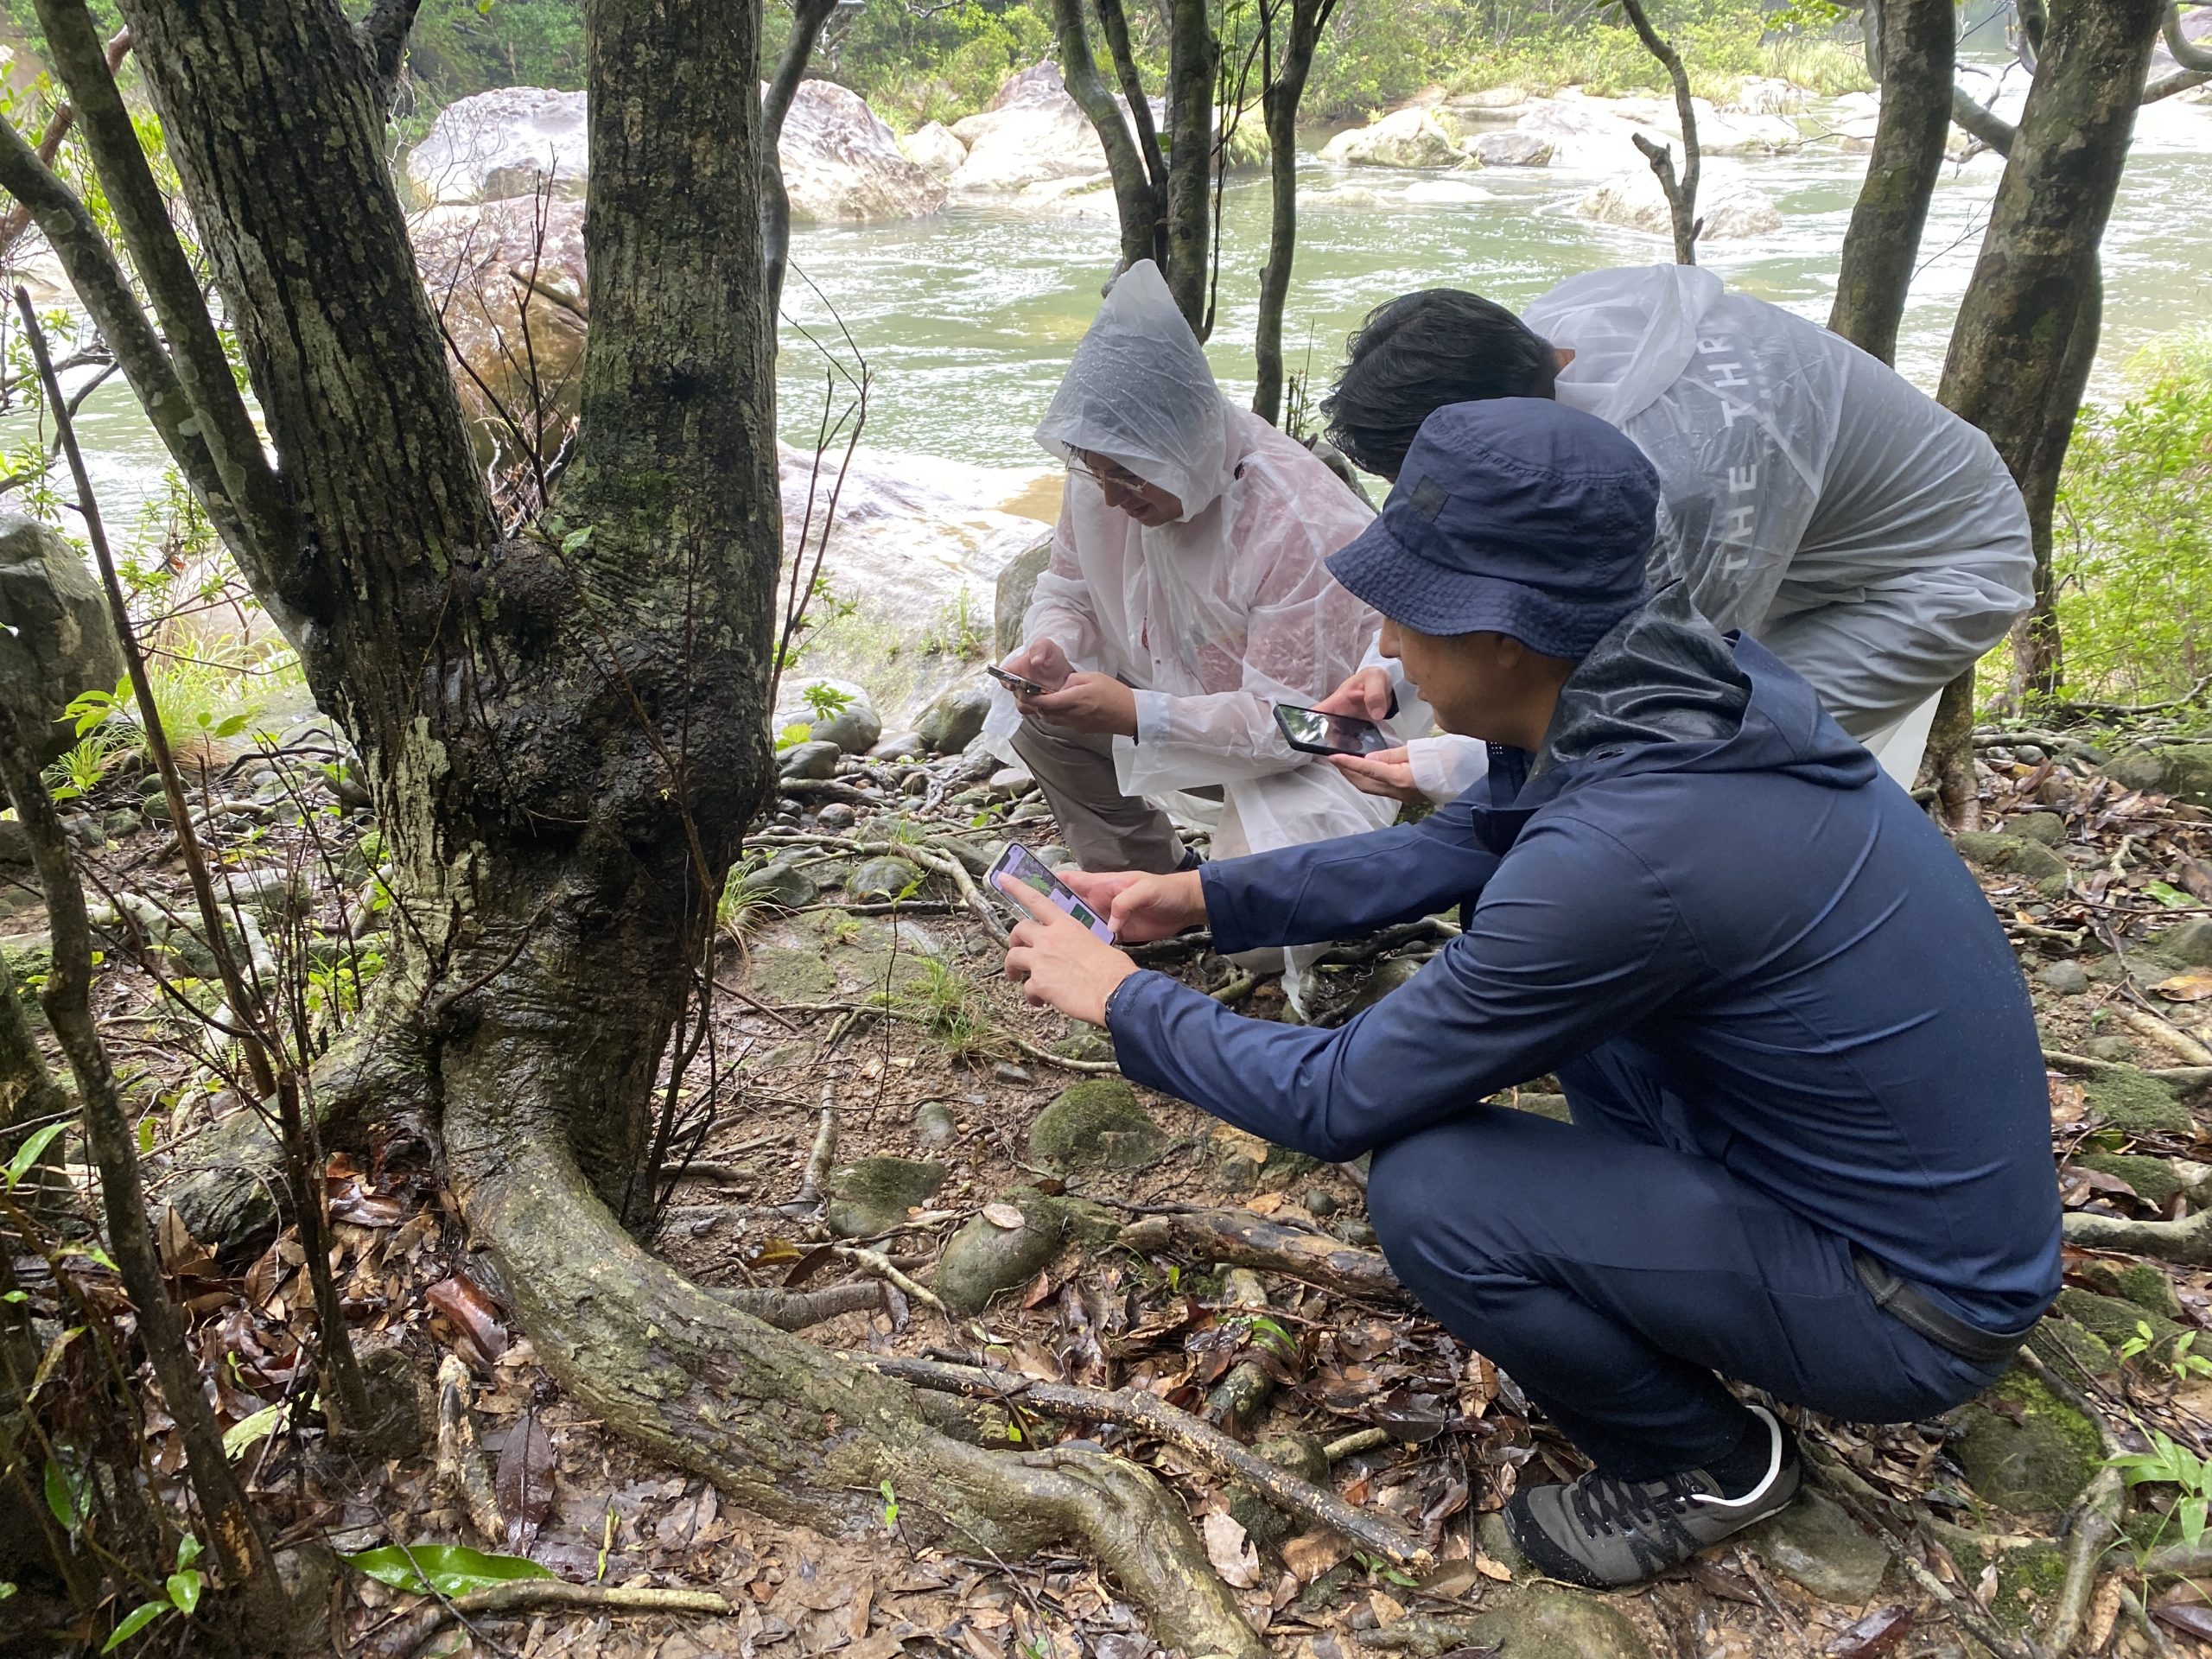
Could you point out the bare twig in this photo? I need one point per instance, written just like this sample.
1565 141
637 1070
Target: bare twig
1682 194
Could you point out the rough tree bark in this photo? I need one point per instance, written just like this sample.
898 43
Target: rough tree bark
807 18
1193 61
564 734
1141 212
2026 333
1284 89
1916 45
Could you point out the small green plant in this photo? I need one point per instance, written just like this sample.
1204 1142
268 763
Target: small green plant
890 1507
2180 1358
180 1595
827 701
2167 1463
949 1009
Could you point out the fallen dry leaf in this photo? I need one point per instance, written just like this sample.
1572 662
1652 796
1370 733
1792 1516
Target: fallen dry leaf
1266 1205
480 1335
1388 1610
1313 1553
2185 988
524 1481
1491 1569
1230 1551
1876 1633
1004 1214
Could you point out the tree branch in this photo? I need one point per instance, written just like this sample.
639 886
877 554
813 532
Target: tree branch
2187 53
104 292
202 370
808 17
1681 197
1134 197
17 219
1978 121
384 32
1116 23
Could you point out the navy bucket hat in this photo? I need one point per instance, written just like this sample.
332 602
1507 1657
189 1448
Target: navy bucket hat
1512 515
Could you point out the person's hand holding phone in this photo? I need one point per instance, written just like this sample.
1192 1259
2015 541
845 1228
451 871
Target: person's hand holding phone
1043 661
1059 963
1088 702
1387 773
1141 907
1365 695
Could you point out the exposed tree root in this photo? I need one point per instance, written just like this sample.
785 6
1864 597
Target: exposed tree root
2187 1242
2094 1520
1246 1240
1135 1408
2182 1076
412 1629
464 1473
784 1427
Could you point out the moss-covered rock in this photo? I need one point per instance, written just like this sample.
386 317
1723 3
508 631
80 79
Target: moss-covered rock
2142 1283
1548 1621
2015 855
2046 829
2120 1323
878 880
1385 977
874 1195
1304 1456
2189 946
984 1260
2134 1103
2026 1451
827 954
1817 1547
2181 770
2028 1574
1243 1162
1098 1124
2154 1179
1543 1105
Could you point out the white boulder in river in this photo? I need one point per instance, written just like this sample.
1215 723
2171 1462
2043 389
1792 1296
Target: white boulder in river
932 148
1598 135
1411 138
1727 208
841 163
1033 137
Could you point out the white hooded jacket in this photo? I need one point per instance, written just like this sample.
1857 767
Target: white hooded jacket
1812 496
1213 618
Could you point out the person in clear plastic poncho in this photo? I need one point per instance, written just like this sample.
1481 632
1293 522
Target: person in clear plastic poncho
1185 596
1812 497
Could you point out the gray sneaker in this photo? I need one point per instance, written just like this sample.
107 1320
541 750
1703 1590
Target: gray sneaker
1603 1532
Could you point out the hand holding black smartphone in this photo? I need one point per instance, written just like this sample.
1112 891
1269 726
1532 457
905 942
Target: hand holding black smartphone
1014 682
1311 731
1018 863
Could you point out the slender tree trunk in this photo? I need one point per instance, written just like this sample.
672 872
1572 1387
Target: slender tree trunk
1918 48
1681 193
1138 205
1279 102
1193 58
2026 332
565 734
807 18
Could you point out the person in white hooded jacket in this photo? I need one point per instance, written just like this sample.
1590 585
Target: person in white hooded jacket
1185 596
1812 496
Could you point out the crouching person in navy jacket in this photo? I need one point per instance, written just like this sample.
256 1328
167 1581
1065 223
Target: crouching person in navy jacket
1810 1147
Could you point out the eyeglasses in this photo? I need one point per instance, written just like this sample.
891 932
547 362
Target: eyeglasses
1120 477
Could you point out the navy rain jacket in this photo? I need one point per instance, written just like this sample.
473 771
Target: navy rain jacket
1705 876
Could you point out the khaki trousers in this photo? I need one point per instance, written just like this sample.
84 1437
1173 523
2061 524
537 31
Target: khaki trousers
1104 829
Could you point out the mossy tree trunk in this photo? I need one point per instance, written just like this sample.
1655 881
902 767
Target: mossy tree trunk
1914 43
1283 90
2026 332
564 732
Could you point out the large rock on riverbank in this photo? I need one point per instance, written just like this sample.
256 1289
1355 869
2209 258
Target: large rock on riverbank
841 163
56 638
1410 138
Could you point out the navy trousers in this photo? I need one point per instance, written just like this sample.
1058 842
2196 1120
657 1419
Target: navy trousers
1612 1266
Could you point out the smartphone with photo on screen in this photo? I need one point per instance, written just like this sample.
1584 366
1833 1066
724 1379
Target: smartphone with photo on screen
1311 731
1019 864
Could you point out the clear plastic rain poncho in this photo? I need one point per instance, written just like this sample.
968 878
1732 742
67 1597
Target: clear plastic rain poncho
1813 496
1216 617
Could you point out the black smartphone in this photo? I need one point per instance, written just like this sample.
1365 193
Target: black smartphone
1311 731
1019 864
1013 682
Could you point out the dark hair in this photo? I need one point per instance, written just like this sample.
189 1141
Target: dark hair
1416 354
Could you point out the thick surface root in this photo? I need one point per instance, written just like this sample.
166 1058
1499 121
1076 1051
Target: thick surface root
785 1427
2187 1242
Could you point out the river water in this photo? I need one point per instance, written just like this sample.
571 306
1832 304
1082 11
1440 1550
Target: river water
966 318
